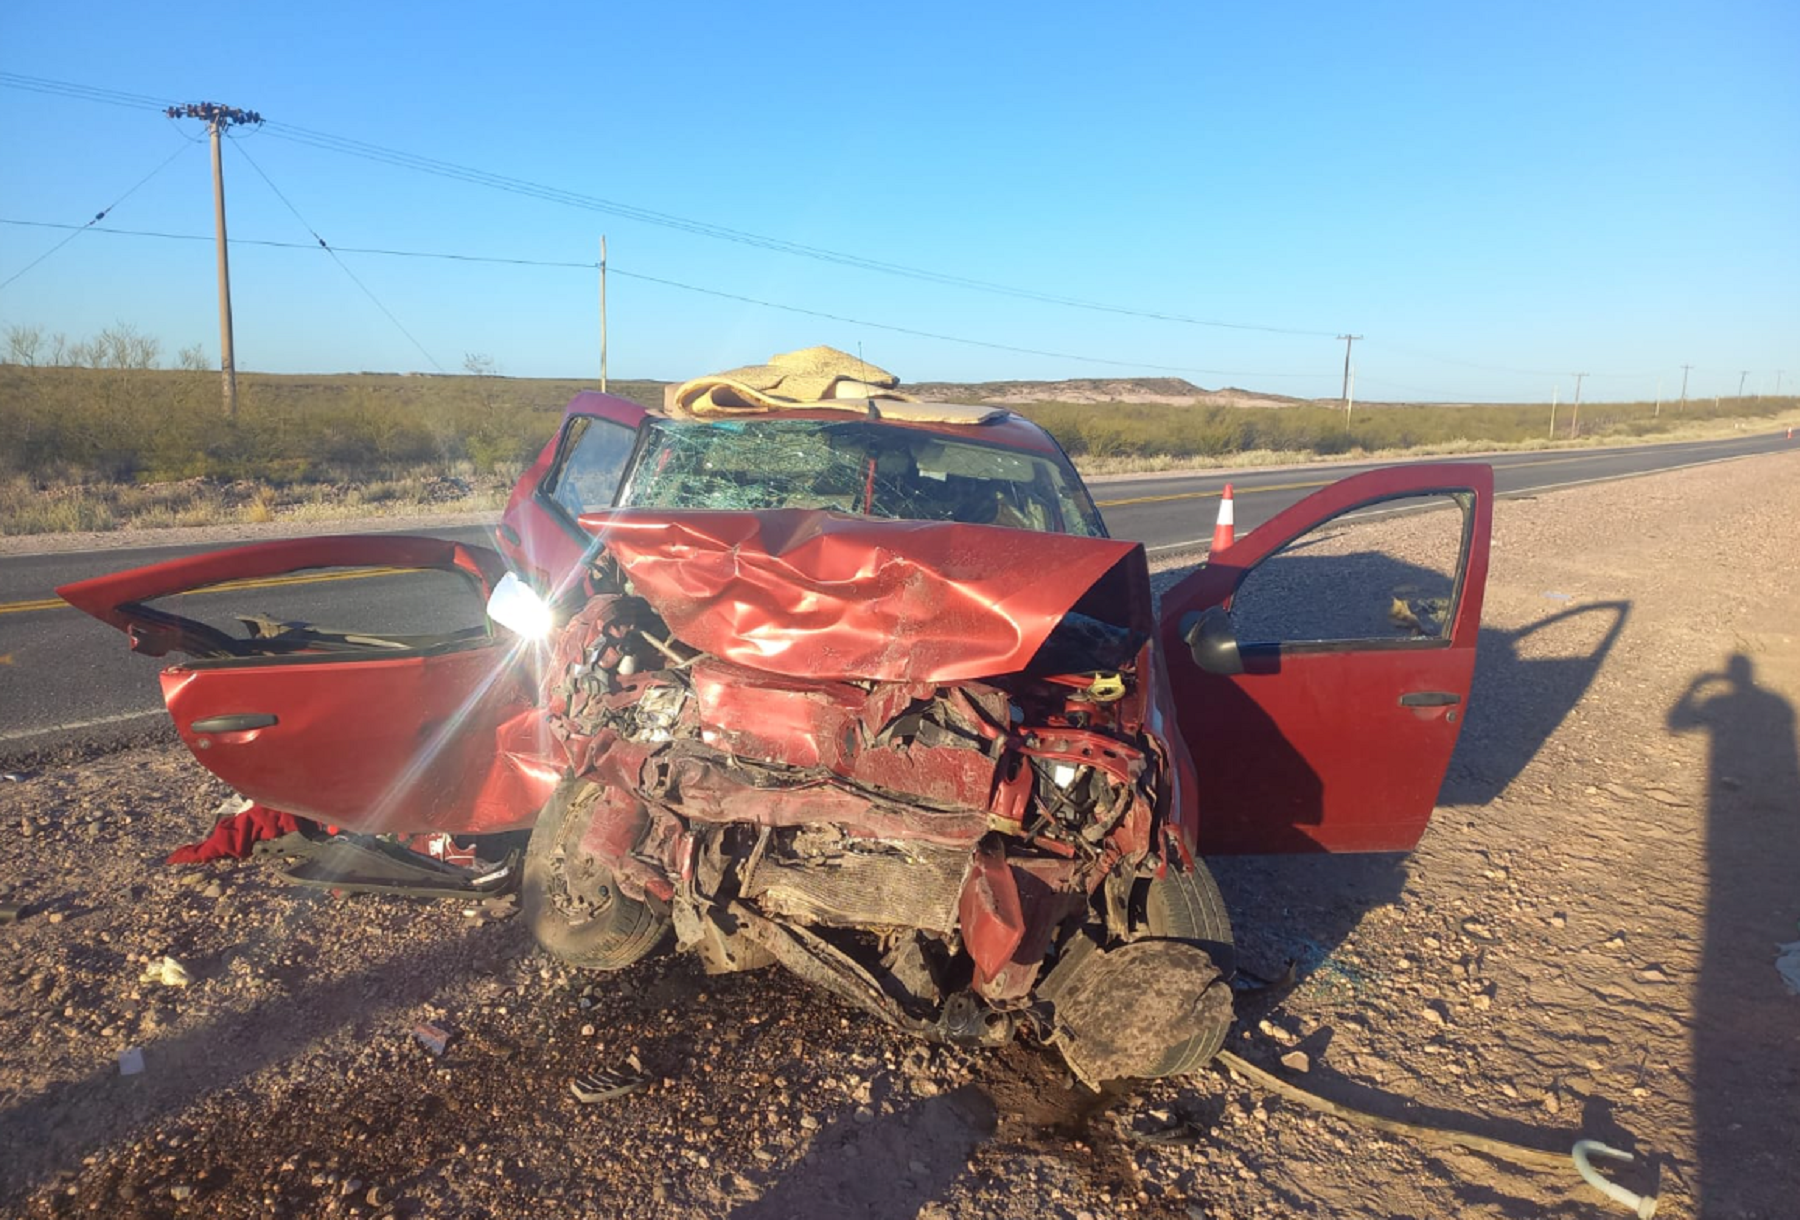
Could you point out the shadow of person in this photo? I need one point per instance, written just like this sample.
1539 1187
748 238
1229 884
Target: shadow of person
887 1168
1518 701
1746 1058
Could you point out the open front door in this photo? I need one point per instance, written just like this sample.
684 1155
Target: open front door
411 717
1355 614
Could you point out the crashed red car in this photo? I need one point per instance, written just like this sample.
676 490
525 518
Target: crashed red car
870 694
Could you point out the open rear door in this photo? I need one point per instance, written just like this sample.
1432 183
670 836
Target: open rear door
417 719
1355 614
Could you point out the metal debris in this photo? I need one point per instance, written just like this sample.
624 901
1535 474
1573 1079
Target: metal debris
432 1038
606 1084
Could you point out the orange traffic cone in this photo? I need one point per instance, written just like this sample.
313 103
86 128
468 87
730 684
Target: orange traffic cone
1224 533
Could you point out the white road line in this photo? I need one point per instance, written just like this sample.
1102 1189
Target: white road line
22 734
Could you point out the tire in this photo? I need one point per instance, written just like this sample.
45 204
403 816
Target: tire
1186 906
582 918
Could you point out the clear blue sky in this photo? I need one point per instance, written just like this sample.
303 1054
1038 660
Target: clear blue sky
1495 196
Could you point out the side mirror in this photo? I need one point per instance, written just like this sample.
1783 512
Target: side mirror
1212 642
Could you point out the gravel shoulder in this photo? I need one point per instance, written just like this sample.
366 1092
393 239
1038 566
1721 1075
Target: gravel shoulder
1584 943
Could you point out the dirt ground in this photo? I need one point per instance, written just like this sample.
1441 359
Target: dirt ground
1584 944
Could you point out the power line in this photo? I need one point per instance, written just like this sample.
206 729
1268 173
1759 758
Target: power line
686 287
347 146
301 245
342 265
78 230
86 93
595 203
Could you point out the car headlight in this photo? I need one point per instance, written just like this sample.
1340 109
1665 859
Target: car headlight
517 607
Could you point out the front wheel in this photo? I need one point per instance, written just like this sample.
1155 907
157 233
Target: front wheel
1186 906
570 899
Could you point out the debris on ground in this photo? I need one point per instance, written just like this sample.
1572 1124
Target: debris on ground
432 1038
167 971
606 1084
1787 962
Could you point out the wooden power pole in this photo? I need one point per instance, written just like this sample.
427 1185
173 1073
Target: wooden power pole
603 313
1348 341
217 119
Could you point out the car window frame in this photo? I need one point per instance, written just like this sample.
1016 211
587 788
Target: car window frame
1463 499
575 426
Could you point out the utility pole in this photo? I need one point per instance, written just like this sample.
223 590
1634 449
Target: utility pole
603 313
218 118
1658 414
1575 423
1778 373
1554 390
1684 373
1348 340
1741 377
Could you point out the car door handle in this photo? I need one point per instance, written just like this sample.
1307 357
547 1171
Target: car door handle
237 722
1429 698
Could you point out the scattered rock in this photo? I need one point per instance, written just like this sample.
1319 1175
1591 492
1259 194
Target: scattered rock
168 972
1296 1061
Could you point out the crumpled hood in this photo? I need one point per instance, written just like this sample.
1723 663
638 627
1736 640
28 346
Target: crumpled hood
812 593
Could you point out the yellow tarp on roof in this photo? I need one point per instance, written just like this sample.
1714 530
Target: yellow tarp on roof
820 377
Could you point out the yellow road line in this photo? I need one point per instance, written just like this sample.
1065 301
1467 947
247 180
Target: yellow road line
49 603
230 586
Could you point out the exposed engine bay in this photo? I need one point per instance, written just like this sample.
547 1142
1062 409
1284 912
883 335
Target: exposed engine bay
933 852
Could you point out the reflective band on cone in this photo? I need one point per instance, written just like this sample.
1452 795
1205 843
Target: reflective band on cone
1223 532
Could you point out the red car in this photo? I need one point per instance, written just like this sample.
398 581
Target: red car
867 693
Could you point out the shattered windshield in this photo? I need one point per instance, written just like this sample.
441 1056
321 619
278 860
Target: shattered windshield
856 466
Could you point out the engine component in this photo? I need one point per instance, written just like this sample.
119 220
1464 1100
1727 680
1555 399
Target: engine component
818 875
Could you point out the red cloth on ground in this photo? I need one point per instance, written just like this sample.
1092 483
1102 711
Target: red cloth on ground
233 837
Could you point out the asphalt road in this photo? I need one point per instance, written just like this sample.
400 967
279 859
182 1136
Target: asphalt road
68 682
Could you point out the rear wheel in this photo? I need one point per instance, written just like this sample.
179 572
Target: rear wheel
1185 906
571 900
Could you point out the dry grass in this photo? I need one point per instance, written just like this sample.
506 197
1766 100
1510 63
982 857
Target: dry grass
28 508
1700 430
95 449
